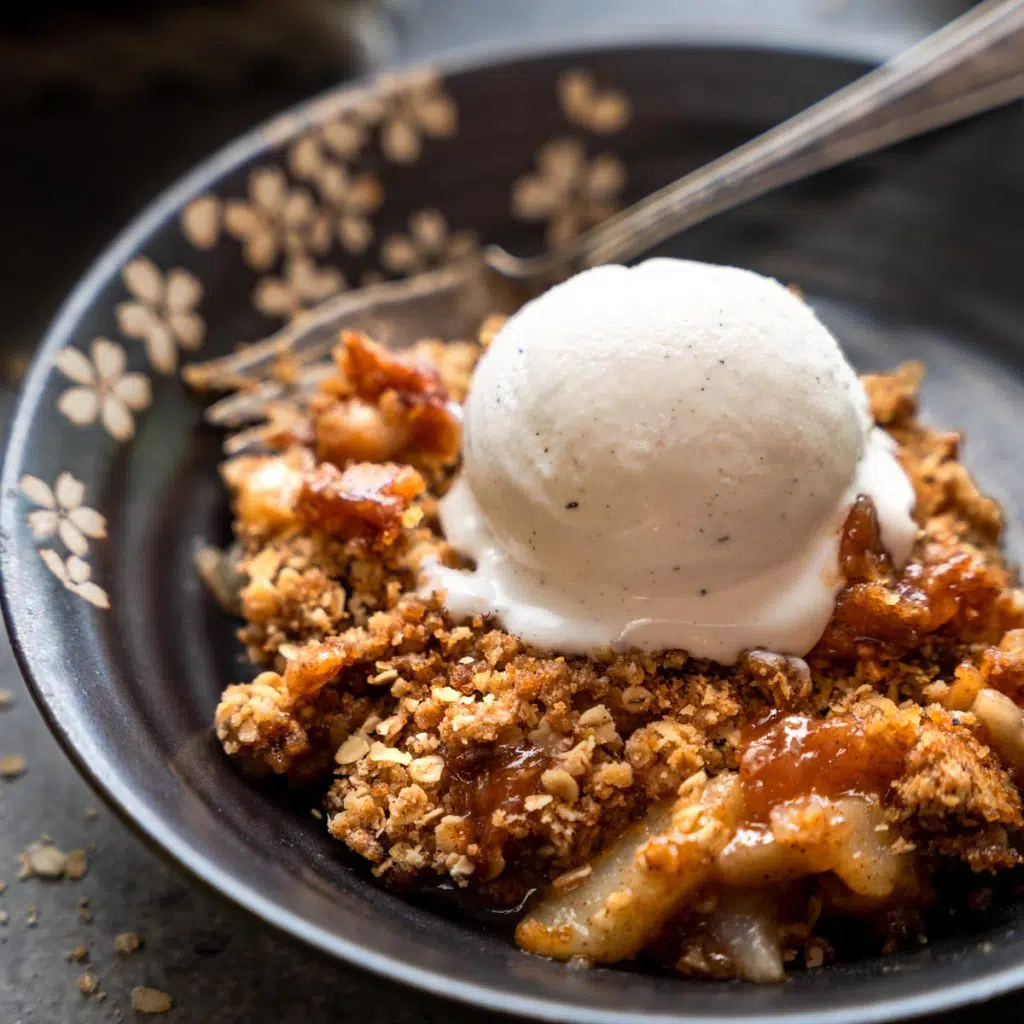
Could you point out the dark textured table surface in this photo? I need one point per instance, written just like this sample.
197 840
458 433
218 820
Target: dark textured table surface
219 965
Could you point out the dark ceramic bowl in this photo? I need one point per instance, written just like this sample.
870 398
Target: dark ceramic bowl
110 477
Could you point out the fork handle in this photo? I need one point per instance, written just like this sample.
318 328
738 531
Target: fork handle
973 64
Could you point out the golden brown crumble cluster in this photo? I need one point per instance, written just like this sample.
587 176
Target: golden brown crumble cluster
456 751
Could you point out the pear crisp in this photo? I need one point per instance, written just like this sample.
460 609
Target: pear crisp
712 819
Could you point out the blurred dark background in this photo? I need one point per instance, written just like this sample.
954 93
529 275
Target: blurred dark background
104 103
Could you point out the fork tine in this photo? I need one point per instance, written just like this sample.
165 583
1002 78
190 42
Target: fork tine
251 405
300 339
244 407
318 326
458 296
242 441
250 393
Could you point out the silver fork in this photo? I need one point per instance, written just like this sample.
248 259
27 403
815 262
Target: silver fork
974 64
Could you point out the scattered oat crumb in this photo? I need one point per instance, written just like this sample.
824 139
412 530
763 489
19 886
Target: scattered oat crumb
317 813
6 700
127 943
77 864
32 917
90 813
4 918
3 888
79 953
85 915
12 765
87 983
100 996
150 1000
41 859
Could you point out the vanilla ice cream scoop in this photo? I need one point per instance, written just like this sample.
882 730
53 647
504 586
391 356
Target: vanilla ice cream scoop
663 456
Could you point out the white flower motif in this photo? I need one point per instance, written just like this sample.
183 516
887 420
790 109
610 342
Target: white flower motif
568 190
276 219
343 137
302 284
351 197
585 104
201 221
428 244
74 573
61 513
161 313
415 106
103 390
346 135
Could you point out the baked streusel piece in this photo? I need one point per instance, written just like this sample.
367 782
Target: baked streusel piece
712 818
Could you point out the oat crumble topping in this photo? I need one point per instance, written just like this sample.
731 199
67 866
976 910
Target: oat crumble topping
455 753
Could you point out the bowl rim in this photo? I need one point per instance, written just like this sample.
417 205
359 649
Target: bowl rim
149 826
